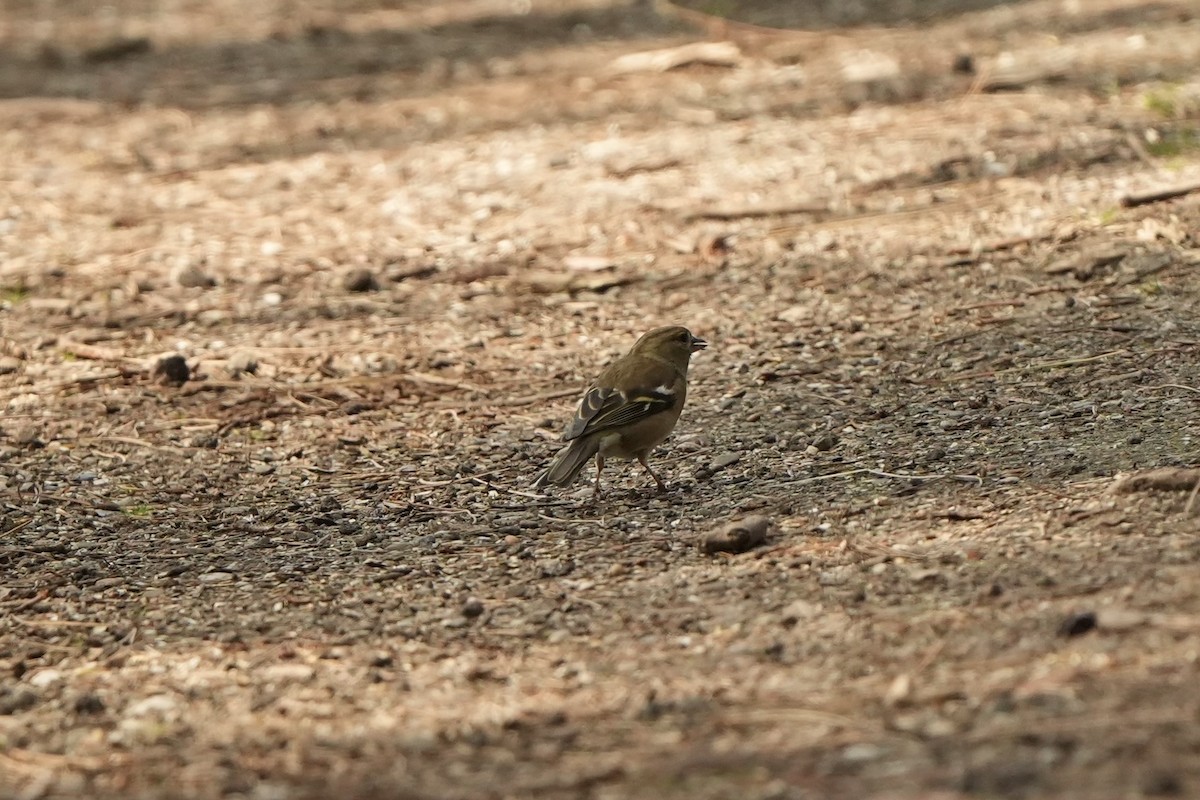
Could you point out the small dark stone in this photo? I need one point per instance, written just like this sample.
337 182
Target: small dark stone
193 276
472 608
554 568
1163 784
964 64
172 370
90 703
360 280
1078 624
16 700
118 50
382 660
825 441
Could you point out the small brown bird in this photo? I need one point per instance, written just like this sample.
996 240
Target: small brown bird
630 408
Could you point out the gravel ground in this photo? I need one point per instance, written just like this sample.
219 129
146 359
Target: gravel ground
295 303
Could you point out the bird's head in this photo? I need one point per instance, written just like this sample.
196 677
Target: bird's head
673 342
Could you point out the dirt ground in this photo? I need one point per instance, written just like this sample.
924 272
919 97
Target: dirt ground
953 361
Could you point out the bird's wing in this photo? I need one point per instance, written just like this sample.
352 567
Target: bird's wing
604 408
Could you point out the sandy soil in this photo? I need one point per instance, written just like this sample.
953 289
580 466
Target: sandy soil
953 361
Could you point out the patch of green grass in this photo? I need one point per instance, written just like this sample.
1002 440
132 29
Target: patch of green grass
139 510
1180 141
1163 101
11 295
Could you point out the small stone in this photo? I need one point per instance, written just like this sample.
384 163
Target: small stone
737 537
288 672
825 441
191 276
1120 619
831 578
9 365
799 610
555 568
108 583
216 577
472 608
862 752
27 436
900 691
172 370
1078 624
45 677
724 460
155 705
89 703
1163 784
360 280
241 362
17 700
382 659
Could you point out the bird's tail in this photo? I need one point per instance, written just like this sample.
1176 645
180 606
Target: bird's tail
569 462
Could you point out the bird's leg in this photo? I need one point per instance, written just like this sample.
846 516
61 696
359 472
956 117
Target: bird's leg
662 487
599 469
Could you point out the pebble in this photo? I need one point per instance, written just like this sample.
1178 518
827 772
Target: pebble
19 699
242 362
1078 624
726 459
190 276
825 441
155 704
45 677
862 752
554 568
360 280
90 703
172 369
472 608
9 365
216 577
288 672
737 536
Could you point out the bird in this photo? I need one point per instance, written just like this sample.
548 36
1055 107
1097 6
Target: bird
629 409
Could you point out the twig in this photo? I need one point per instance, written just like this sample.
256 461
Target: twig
1158 195
998 244
1066 362
463 479
881 474
989 304
103 505
755 211
523 400
871 216
54 623
1170 386
56 386
509 489
29 602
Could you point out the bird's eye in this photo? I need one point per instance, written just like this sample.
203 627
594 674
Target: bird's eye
685 337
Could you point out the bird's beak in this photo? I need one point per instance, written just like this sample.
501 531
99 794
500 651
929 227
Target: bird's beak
698 344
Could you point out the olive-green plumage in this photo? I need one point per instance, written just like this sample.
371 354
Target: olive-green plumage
629 409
